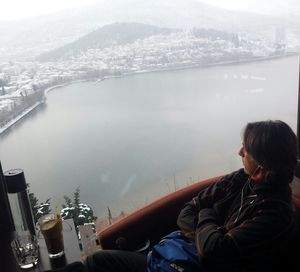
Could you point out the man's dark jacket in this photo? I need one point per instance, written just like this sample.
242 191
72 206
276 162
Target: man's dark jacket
239 225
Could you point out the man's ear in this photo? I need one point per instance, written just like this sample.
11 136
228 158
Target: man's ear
259 174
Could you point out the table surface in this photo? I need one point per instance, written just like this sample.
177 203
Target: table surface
72 251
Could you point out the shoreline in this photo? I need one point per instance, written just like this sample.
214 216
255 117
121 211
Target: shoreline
30 109
19 117
204 66
192 66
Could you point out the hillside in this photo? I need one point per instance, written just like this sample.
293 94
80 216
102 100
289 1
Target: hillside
29 38
107 36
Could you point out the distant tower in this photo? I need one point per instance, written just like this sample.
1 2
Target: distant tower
235 40
2 92
280 35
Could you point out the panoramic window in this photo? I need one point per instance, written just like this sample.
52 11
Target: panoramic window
107 105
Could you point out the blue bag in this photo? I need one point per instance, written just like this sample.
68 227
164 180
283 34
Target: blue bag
174 253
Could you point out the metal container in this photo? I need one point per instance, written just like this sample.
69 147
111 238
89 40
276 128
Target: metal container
8 262
19 201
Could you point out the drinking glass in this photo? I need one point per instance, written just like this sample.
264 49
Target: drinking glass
25 249
51 228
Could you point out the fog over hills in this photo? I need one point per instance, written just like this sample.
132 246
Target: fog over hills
29 38
106 36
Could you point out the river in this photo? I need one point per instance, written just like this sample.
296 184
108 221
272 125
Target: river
126 141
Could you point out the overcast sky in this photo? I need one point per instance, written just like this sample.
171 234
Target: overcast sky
19 9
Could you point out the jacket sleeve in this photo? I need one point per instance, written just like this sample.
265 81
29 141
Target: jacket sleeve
188 217
265 230
212 240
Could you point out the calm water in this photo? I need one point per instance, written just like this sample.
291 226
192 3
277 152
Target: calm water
126 141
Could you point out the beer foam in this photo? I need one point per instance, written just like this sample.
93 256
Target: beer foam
49 224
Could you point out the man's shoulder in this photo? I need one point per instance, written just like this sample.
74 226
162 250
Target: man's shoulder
238 176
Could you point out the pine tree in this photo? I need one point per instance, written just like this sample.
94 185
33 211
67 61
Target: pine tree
80 212
77 219
43 208
38 209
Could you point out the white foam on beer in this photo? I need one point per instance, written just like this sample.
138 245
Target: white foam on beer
48 225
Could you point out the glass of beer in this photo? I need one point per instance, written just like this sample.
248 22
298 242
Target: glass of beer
51 228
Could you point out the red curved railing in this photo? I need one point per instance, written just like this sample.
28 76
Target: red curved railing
150 222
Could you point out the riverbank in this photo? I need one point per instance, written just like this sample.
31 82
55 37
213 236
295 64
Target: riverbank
46 91
30 109
193 66
15 120
209 65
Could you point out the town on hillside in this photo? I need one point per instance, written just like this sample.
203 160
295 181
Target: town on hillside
23 84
